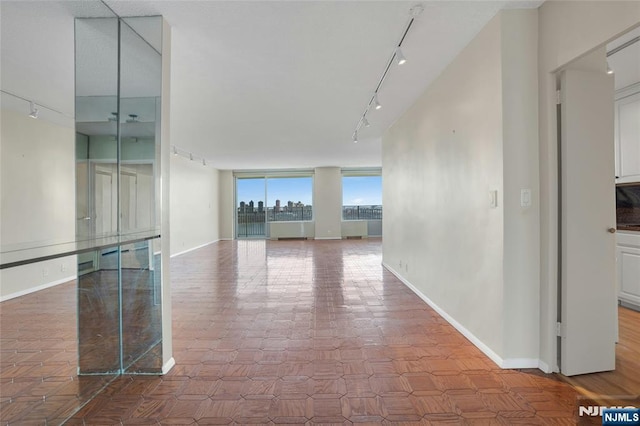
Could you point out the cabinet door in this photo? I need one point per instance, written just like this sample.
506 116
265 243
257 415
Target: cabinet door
629 274
627 132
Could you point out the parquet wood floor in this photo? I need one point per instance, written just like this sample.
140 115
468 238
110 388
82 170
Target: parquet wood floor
305 332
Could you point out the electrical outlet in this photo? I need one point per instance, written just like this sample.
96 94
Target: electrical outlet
45 272
63 267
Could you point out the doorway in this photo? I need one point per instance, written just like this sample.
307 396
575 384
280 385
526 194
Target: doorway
620 61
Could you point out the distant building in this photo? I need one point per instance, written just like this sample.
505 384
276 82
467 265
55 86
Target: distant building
260 206
242 206
251 210
277 208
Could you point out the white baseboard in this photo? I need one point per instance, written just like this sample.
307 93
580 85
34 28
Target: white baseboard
327 238
194 248
38 288
520 363
544 366
168 365
510 363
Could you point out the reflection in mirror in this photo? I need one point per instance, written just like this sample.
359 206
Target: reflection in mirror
140 90
96 42
118 89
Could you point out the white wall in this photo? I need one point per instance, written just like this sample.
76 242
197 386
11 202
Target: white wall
520 171
37 196
226 207
567 30
327 202
440 162
194 204
37 156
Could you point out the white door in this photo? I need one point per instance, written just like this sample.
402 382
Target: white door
105 220
588 297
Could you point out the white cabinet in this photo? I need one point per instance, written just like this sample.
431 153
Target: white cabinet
628 264
627 136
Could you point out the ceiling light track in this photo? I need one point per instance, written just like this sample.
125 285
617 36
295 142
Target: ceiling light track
623 46
189 156
35 107
396 56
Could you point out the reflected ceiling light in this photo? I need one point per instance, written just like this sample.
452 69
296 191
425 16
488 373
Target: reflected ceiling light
34 110
400 59
365 122
376 103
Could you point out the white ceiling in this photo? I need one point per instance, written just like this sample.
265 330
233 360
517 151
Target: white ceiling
263 84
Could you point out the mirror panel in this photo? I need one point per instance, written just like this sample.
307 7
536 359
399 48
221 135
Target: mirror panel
140 90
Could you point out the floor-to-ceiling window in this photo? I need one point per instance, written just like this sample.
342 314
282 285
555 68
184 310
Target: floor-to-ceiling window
273 197
362 198
250 210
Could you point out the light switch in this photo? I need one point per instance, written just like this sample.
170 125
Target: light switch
493 199
525 198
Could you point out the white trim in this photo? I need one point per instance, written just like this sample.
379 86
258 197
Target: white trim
544 367
225 239
520 363
168 365
327 238
509 363
194 248
624 92
38 288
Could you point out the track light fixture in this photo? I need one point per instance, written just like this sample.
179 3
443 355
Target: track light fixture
397 57
175 150
376 103
34 110
400 59
609 70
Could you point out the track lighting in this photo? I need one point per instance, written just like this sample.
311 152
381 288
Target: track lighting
376 103
204 162
133 118
396 56
191 157
114 116
609 70
34 110
400 57
175 150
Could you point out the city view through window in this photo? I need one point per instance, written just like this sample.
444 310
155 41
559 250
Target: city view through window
279 199
362 197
